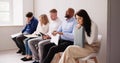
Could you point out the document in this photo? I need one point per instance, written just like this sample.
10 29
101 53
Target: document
14 35
55 39
31 35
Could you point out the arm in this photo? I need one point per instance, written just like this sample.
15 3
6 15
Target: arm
34 26
94 34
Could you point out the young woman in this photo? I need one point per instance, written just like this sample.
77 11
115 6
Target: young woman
74 52
42 27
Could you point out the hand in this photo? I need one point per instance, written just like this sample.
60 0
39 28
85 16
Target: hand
78 26
54 33
46 37
60 33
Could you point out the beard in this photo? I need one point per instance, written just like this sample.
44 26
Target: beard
67 16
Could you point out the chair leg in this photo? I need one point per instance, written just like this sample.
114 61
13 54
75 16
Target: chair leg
85 61
95 59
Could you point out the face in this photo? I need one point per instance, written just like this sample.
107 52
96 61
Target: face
28 19
53 16
69 13
79 19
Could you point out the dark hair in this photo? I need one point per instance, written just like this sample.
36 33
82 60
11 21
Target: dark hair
86 21
71 10
53 11
29 14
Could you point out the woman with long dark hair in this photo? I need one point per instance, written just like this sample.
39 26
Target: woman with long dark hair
91 44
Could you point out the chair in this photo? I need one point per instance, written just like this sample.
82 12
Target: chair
92 55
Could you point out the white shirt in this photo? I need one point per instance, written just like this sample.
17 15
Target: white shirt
43 29
94 34
53 26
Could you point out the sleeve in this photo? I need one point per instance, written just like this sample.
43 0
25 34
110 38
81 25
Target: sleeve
70 35
59 28
94 34
34 26
24 29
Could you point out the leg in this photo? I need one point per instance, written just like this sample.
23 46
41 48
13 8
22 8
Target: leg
55 49
27 49
20 42
74 52
32 43
40 48
44 48
17 44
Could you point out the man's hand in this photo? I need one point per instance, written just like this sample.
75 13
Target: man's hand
46 37
54 33
60 33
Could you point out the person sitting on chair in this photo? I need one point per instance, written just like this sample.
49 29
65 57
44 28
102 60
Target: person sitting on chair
91 44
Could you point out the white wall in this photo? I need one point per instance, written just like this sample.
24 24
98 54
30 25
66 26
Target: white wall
5 31
5 38
27 7
97 10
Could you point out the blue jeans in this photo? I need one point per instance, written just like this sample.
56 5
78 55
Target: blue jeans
27 48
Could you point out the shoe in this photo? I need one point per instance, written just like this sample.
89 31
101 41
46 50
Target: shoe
35 62
19 51
23 58
26 59
23 53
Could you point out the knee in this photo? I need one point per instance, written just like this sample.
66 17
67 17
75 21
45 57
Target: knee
40 43
53 48
17 38
69 48
30 42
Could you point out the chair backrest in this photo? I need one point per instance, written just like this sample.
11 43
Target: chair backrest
93 54
99 38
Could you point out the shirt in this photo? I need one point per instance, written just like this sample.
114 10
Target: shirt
43 29
79 36
31 27
53 26
94 34
67 29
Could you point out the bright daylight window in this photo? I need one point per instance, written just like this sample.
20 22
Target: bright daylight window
5 13
11 12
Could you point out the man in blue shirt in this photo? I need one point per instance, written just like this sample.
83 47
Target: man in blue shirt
66 36
29 28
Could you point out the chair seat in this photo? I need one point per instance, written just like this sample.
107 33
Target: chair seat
89 56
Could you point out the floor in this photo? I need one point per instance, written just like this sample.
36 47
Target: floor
10 56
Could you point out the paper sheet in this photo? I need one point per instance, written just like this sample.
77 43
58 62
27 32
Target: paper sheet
14 35
55 39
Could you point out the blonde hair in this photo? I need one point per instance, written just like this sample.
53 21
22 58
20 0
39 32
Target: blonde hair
43 19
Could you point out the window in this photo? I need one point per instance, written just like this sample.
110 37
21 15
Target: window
11 12
5 13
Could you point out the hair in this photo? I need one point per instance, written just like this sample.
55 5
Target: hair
44 19
71 10
29 14
86 20
53 11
